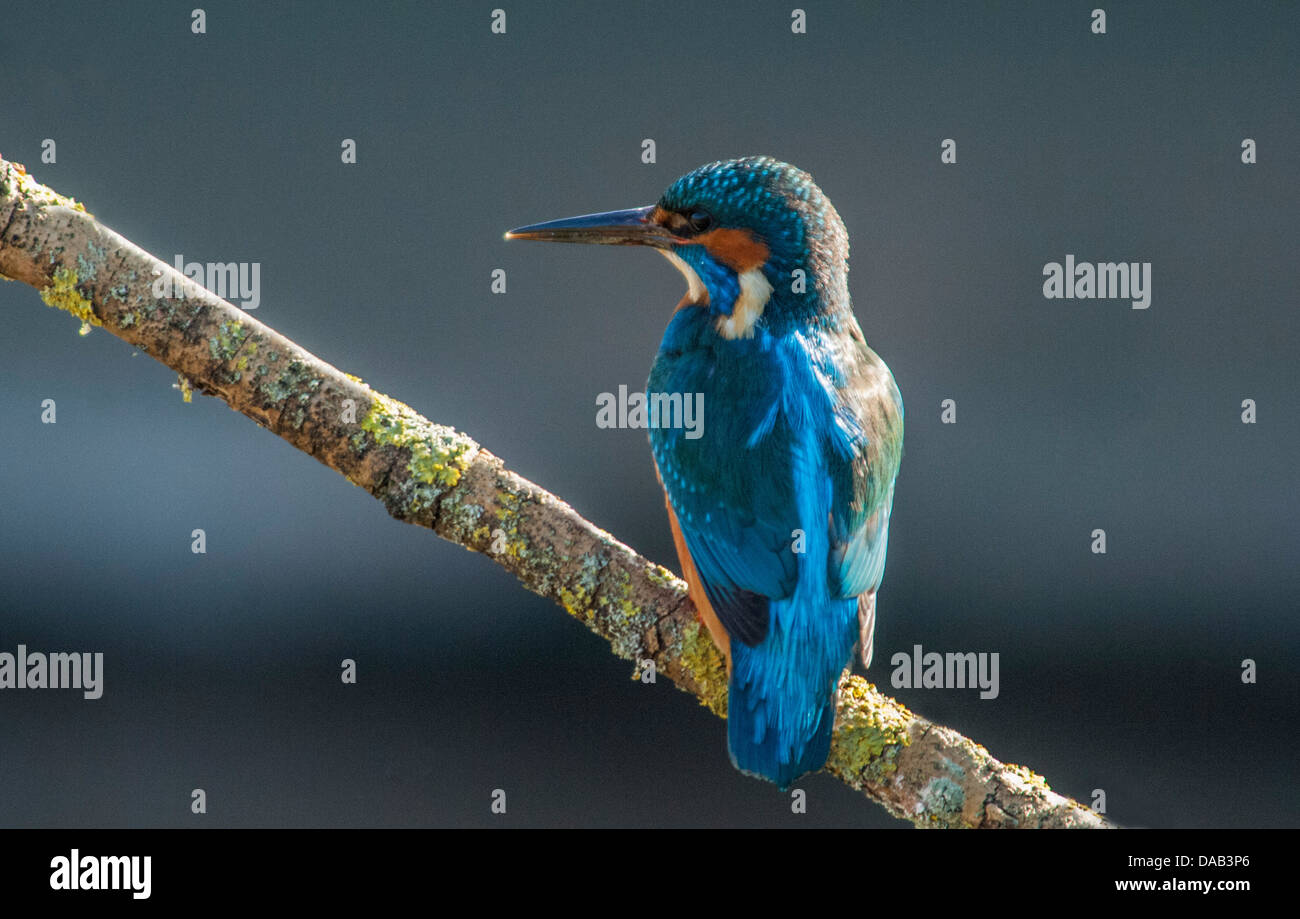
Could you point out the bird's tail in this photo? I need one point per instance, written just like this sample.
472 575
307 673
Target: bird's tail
781 707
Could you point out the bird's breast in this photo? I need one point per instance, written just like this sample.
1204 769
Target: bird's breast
749 383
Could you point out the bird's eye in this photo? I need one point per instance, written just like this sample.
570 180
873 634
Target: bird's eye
699 220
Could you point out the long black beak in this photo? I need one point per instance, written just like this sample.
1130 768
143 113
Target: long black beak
632 227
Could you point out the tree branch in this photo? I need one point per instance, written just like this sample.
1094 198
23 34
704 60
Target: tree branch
436 477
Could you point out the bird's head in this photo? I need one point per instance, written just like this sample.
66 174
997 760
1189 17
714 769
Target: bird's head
758 242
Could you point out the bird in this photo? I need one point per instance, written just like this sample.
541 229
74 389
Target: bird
780 504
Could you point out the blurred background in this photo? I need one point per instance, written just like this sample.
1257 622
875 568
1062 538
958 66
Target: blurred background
1118 672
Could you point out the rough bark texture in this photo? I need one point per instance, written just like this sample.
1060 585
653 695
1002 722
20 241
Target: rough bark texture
433 476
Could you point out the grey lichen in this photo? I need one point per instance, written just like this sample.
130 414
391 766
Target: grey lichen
942 800
229 338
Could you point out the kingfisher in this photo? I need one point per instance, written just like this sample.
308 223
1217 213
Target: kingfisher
779 506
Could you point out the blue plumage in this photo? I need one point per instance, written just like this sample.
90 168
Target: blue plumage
781 506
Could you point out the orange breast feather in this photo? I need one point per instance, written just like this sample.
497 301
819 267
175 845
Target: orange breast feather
696 587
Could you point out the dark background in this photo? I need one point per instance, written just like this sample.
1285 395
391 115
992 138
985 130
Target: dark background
1119 672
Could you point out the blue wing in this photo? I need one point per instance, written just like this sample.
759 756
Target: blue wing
731 487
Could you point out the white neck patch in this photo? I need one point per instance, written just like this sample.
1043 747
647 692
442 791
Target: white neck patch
696 293
755 291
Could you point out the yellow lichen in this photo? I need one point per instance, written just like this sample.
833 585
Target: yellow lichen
439 455
1029 777
702 660
228 341
63 294
36 193
507 512
658 574
628 608
872 728
577 602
